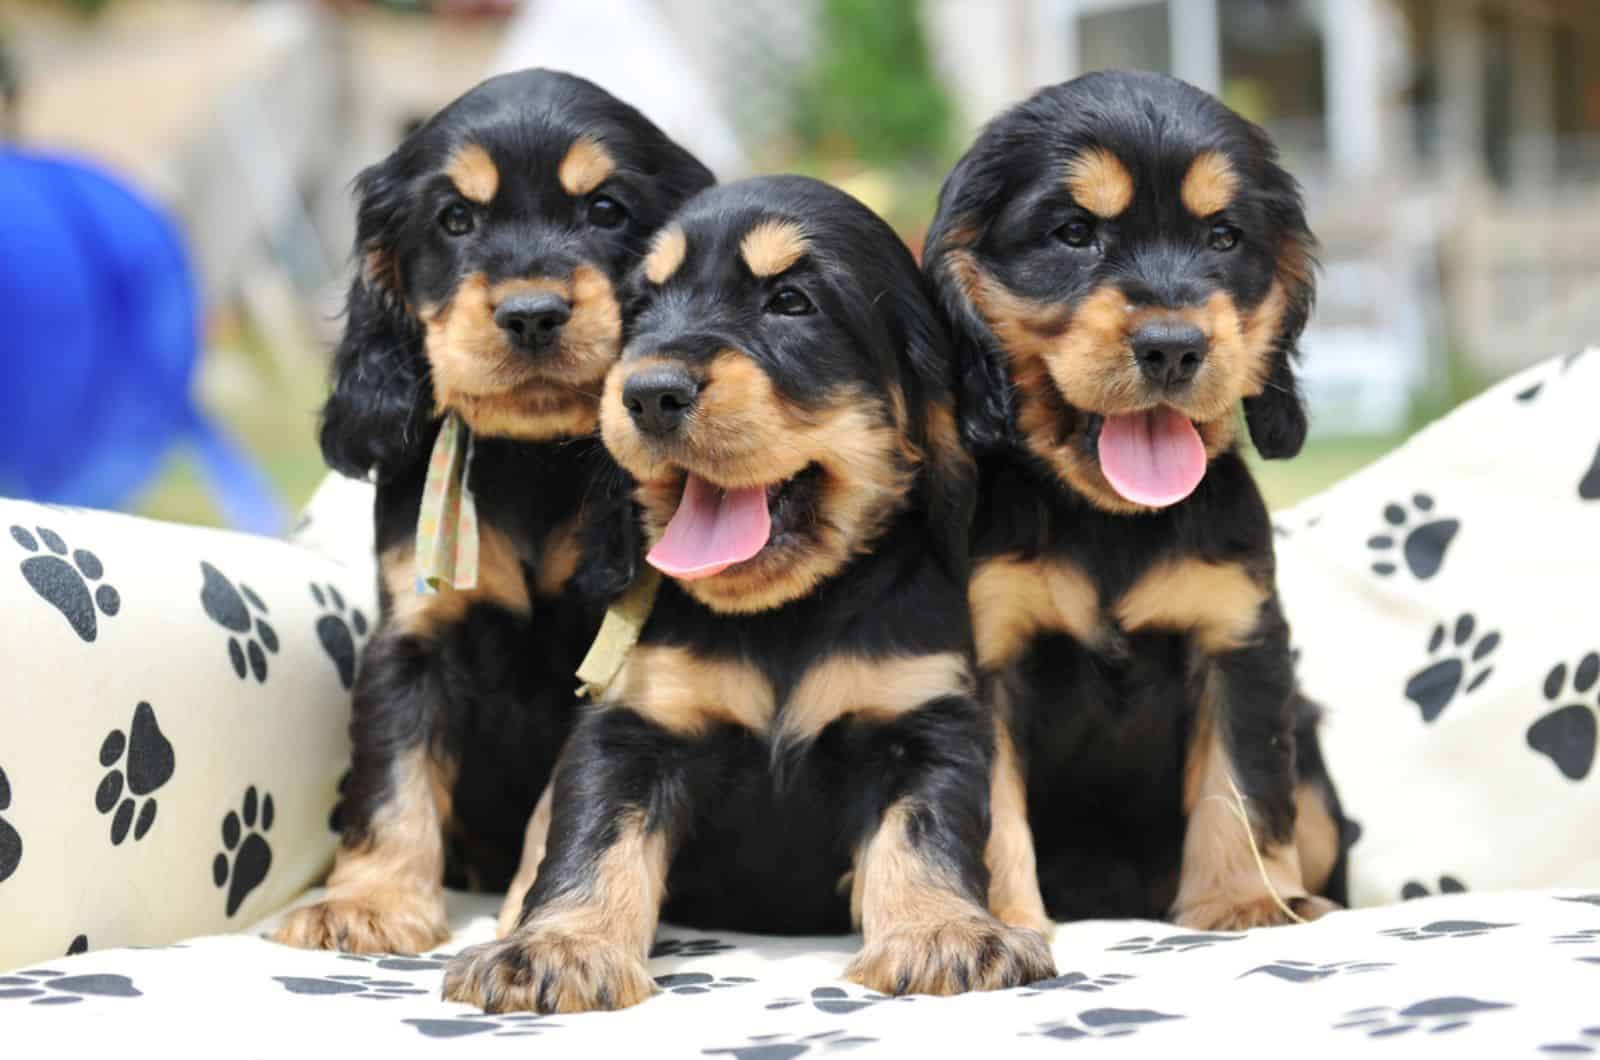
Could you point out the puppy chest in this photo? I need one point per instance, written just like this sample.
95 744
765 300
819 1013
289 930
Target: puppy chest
1015 601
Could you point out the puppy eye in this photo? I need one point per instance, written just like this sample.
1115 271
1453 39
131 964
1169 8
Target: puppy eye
606 212
456 219
1078 232
786 301
1224 236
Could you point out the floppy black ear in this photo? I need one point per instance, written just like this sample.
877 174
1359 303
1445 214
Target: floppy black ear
1277 416
983 387
948 480
376 417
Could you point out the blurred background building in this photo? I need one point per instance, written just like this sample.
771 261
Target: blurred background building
1450 150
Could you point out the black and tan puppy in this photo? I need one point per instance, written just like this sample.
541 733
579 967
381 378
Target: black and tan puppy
794 745
489 246
1126 263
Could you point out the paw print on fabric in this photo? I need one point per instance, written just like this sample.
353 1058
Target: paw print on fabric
1581 937
1306 972
1454 654
231 608
363 986
432 962
46 986
788 1046
1101 1023
139 763
1445 929
79 944
700 947
1566 735
1531 392
10 839
65 586
1078 982
251 857
1436 1015
338 630
512 1025
1143 945
1589 1044
1586 899
1589 485
699 982
1420 536
835 1000
1447 885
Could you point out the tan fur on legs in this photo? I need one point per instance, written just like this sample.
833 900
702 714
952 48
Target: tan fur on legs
533 844
385 896
1222 886
1013 875
921 935
584 949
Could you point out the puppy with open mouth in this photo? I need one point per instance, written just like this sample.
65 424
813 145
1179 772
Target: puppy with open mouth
794 744
1127 265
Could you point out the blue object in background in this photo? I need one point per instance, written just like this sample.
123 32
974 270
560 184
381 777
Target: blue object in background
99 328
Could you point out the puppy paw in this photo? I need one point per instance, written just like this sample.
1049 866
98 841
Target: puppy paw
392 922
1225 913
547 970
1026 915
511 909
951 957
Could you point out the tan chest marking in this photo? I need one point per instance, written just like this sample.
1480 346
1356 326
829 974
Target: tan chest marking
1219 604
500 581
872 689
683 693
1013 600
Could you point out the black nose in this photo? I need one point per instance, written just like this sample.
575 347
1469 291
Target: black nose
1169 352
659 397
532 321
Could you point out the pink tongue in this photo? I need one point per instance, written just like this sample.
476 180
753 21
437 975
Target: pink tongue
1154 457
712 530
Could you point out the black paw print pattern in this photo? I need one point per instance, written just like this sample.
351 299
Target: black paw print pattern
1436 1015
10 839
510 1025
834 1000
1306 972
231 608
1461 665
361 986
1078 982
1420 536
65 586
1143 945
1589 1045
79 944
1531 392
1447 885
1566 735
1589 485
1444 929
789 1046
139 763
699 947
699 982
338 630
46 986
1101 1023
246 857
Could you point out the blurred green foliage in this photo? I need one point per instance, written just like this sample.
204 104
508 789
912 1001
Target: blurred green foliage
872 94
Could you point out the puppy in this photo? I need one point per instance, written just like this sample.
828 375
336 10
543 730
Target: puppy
490 243
1126 263
794 745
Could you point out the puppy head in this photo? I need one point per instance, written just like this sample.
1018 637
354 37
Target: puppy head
1125 262
785 392
489 244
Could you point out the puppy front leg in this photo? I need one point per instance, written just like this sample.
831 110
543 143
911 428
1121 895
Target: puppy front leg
533 846
1013 871
384 895
1241 867
919 885
588 922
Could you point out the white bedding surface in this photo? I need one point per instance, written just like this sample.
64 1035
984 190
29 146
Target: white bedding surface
1466 975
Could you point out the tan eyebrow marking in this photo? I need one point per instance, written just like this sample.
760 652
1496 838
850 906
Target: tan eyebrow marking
667 252
585 167
773 246
1210 184
473 173
1100 182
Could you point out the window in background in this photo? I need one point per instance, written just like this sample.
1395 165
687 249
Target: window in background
1272 71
